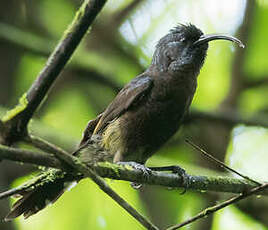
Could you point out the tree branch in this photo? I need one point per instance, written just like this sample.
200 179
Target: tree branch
261 81
96 76
229 117
120 16
210 210
43 46
236 84
20 39
118 172
28 156
88 171
17 120
221 164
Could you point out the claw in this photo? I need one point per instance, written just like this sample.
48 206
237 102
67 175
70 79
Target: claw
178 170
145 171
136 186
185 177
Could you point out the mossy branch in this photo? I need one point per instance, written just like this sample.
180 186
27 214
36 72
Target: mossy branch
17 120
117 172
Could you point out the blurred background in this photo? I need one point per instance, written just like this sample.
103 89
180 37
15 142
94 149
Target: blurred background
118 47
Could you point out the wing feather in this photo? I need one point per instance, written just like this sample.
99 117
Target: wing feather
131 95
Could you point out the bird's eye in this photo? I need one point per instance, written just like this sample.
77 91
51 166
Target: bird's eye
182 39
167 55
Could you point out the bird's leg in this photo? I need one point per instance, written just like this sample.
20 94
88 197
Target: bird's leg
145 171
178 170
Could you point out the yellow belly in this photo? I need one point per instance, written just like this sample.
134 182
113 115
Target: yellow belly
112 140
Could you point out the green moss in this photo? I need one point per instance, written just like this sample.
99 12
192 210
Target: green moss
113 167
23 102
78 15
128 167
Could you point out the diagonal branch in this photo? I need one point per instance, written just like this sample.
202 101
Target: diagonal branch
222 205
88 171
17 120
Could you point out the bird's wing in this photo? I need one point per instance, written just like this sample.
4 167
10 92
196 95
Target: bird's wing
91 125
131 95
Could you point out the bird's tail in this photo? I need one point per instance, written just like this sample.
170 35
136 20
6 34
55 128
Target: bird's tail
35 195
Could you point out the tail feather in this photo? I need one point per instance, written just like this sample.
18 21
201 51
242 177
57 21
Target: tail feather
37 194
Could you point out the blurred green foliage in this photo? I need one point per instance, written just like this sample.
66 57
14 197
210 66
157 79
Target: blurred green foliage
233 218
256 62
86 207
75 100
249 144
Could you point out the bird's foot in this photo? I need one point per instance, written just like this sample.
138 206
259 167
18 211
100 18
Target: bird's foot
145 171
179 171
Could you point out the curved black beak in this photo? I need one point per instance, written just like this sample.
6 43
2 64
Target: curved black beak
210 37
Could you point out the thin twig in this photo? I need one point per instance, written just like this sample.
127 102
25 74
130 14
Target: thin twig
222 205
19 189
210 157
76 164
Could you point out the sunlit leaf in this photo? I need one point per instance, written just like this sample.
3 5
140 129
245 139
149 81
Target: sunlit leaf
232 218
247 151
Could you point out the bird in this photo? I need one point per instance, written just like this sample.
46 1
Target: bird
140 119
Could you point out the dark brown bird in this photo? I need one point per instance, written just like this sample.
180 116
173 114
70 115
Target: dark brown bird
141 118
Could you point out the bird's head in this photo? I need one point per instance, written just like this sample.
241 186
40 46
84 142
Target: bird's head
184 49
